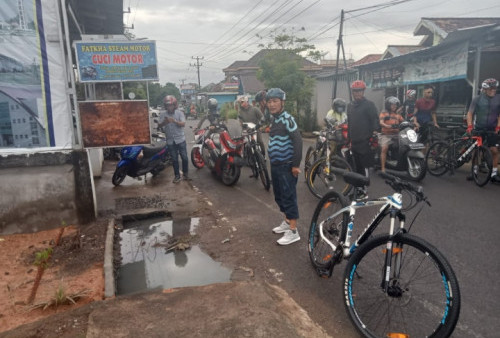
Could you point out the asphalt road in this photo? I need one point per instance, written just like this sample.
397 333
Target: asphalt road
463 223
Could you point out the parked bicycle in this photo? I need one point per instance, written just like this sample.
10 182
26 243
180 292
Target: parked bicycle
445 157
328 154
254 155
395 284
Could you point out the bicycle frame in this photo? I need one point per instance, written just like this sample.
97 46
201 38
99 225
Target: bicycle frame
390 205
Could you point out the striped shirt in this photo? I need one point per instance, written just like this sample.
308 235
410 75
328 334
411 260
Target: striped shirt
285 142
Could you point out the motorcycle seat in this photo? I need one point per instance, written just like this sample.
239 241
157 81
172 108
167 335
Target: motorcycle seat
149 151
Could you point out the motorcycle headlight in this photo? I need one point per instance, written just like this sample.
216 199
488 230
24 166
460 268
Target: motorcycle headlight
412 135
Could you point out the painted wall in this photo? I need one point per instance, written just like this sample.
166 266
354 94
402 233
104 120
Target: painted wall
42 190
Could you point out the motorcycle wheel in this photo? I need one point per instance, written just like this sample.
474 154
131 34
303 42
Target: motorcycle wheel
311 157
417 168
196 158
119 175
230 173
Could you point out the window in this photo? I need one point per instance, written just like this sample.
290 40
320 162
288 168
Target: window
13 121
35 140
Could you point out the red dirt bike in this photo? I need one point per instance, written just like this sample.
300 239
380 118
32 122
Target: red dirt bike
222 154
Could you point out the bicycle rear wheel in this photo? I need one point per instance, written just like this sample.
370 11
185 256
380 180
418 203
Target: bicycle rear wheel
437 158
321 179
422 298
482 165
334 228
262 171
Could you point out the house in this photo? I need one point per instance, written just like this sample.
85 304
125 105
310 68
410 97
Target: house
455 56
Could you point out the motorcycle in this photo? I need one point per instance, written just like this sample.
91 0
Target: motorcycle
138 161
406 154
219 152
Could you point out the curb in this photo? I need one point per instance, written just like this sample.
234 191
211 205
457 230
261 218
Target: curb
109 280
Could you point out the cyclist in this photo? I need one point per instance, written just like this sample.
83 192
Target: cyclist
425 114
408 107
249 113
484 116
212 116
285 154
260 98
363 124
338 111
388 118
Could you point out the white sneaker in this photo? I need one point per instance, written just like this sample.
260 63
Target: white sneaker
284 226
289 237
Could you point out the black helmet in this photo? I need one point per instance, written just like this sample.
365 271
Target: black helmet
260 96
212 104
390 101
339 105
276 93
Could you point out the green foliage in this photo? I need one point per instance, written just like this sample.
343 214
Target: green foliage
60 296
227 111
42 258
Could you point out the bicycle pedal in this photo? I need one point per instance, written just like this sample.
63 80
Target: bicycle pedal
324 272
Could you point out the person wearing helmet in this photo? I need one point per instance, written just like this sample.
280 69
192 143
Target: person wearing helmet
406 110
249 113
174 123
212 115
483 116
424 115
260 98
363 123
338 111
389 118
285 154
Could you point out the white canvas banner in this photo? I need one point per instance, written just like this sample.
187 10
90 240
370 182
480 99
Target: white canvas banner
34 107
445 66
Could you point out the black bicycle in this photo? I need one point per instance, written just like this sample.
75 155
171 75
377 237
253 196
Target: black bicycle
445 157
254 154
395 284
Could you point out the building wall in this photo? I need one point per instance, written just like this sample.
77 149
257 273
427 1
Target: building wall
42 191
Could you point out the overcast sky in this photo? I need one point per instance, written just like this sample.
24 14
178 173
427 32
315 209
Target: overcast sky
223 31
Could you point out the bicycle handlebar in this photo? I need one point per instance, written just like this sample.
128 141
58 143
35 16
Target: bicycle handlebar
399 184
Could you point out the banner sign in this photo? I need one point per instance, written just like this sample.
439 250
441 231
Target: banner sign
116 61
114 123
450 65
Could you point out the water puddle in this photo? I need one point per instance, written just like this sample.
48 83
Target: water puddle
156 253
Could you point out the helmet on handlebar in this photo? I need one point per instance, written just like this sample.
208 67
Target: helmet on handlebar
489 83
170 100
212 104
390 101
339 105
411 93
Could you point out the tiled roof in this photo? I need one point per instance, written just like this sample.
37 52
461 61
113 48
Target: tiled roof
397 50
250 84
253 62
443 26
367 59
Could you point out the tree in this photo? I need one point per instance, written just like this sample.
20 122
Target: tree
281 68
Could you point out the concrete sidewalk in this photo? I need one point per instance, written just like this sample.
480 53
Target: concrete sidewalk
245 308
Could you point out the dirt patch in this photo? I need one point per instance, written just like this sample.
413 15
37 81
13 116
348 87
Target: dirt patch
75 266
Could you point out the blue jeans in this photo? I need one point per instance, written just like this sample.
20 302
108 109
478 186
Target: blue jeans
176 150
285 190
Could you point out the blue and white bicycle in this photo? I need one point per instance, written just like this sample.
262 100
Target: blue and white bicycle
395 284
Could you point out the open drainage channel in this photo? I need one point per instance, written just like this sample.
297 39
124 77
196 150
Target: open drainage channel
157 252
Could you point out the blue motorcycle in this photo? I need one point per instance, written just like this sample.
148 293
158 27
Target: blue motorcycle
137 161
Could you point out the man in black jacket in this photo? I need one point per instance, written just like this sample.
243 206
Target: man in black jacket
363 123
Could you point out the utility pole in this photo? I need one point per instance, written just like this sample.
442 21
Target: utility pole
339 44
197 65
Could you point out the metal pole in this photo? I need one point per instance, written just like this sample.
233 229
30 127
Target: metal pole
339 44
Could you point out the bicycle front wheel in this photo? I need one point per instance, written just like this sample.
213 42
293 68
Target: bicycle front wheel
321 179
437 158
482 165
311 157
422 297
334 228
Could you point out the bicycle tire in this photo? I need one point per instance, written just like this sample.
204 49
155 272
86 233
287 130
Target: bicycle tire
311 157
263 172
424 301
334 228
482 165
320 180
437 158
